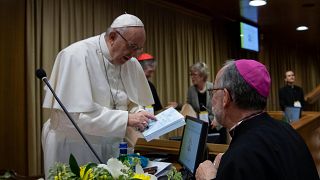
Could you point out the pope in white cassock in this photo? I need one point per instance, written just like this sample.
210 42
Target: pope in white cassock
104 88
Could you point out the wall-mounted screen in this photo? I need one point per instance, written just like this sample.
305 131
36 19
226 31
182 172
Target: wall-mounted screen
249 37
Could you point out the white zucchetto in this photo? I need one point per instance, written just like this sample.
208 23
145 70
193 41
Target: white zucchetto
126 20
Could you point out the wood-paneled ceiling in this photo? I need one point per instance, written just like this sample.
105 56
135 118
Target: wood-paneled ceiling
278 19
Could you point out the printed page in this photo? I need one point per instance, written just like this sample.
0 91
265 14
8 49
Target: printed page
165 119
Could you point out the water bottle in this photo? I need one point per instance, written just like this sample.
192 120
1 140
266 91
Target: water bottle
123 151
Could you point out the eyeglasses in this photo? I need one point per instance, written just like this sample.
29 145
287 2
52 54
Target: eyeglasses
194 74
213 90
131 46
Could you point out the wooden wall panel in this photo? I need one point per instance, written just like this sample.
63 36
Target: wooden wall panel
13 147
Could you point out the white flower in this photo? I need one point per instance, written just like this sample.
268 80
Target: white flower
114 166
139 170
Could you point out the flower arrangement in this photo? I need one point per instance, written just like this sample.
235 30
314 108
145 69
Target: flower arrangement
130 169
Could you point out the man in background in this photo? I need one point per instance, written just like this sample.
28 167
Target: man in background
291 95
104 89
148 64
261 148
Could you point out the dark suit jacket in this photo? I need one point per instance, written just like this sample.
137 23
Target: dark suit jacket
263 148
288 94
157 104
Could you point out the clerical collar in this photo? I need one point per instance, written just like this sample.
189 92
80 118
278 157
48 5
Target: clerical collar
290 85
231 131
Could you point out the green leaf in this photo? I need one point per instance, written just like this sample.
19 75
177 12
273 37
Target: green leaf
89 166
74 165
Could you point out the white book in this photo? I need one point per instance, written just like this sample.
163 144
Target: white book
167 121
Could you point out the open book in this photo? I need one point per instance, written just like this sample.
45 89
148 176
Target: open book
167 121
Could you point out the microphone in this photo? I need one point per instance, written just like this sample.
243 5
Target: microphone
41 74
209 113
205 108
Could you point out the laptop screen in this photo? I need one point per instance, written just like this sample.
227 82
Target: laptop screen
193 143
292 113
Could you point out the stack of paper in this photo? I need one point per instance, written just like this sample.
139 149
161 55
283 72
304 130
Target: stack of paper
167 121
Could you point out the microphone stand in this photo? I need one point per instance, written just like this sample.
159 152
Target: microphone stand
45 80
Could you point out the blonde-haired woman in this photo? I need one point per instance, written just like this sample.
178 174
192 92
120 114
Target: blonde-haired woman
199 97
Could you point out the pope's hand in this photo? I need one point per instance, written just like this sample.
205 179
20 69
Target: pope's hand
207 169
140 120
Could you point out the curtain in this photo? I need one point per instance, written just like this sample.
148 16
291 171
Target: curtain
303 61
13 102
177 40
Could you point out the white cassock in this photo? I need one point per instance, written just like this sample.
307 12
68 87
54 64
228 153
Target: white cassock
90 86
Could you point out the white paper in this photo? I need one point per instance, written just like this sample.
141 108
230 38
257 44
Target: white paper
297 104
167 121
149 109
204 116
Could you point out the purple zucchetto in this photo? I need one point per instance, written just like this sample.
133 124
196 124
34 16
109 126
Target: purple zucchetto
255 74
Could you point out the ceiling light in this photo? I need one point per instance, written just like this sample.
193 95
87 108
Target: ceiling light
302 28
257 2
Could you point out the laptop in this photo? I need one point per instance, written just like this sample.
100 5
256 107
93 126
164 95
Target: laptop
193 145
292 114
